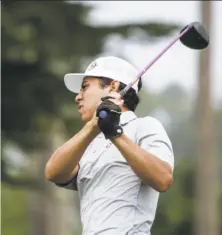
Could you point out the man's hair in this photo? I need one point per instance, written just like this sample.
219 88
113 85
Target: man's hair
131 99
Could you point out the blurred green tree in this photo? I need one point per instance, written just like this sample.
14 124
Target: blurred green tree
41 41
175 212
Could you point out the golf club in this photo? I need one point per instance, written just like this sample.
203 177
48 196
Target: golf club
193 36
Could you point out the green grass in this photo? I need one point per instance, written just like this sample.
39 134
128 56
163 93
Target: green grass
13 211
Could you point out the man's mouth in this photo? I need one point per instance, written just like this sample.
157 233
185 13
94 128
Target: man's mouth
80 106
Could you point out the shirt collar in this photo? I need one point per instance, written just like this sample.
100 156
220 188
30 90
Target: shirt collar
127 117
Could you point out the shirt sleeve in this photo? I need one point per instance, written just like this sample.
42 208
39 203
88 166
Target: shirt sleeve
72 184
152 137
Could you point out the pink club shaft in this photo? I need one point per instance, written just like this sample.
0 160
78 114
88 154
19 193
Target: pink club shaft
124 91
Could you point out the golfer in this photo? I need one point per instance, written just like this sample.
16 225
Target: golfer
119 164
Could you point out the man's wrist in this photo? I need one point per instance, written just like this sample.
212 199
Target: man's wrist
118 139
115 133
91 129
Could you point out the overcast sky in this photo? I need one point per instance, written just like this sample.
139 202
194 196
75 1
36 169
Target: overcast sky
179 64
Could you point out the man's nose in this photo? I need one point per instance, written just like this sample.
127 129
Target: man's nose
78 98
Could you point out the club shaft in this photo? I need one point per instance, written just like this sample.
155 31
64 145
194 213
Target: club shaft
124 91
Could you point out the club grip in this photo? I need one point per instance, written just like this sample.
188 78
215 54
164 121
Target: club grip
102 114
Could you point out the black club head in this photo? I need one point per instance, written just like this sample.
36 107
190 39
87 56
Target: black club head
196 37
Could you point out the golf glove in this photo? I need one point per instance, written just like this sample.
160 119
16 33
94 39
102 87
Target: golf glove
109 118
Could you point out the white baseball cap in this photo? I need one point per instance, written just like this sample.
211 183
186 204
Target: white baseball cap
111 67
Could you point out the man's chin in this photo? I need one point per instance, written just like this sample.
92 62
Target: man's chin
85 118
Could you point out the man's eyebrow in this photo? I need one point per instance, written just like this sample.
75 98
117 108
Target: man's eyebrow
83 83
85 79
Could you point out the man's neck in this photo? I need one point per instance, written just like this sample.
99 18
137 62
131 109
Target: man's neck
124 109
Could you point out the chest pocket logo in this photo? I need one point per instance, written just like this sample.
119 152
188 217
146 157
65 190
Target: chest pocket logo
108 145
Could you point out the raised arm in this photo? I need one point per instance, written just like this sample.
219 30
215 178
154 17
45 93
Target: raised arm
149 168
63 164
152 157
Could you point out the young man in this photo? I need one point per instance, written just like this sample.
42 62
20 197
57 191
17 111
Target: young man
118 164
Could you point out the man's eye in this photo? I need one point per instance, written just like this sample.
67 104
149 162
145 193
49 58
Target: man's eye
84 86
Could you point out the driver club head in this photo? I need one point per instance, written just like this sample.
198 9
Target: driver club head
196 37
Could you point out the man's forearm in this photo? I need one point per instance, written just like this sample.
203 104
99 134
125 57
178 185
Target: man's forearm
65 159
146 166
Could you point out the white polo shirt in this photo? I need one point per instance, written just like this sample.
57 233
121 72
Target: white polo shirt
113 200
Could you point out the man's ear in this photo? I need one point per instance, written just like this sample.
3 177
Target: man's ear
115 85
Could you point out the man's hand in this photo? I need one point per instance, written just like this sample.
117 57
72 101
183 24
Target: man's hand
93 125
115 98
108 114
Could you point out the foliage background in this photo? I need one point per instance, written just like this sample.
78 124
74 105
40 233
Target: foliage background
41 41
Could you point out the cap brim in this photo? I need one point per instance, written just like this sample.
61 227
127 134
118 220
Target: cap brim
73 81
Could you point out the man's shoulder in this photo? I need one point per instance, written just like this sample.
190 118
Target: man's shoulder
149 121
149 125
